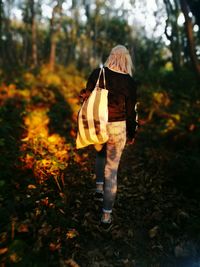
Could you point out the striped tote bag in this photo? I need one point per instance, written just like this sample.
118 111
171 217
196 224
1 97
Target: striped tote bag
93 117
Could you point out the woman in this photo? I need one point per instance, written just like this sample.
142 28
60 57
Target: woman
121 124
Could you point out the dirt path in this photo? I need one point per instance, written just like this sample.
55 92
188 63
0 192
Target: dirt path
154 224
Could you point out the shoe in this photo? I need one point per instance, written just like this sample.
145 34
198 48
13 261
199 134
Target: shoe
98 196
106 226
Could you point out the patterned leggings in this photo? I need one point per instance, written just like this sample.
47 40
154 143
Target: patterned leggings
107 162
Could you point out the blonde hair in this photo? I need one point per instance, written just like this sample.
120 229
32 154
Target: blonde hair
120 60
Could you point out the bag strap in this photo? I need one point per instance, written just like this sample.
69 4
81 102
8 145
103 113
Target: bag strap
104 79
97 83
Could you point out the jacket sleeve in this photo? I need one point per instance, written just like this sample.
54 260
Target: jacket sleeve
131 113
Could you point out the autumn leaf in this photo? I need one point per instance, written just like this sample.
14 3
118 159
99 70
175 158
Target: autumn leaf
71 234
14 257
54 246
31 186
3 250
71 263
153 232
23 228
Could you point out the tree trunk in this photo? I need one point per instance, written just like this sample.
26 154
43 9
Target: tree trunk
52 54
174 37
190 37
34 45
1 20
53 44
34 35
55 29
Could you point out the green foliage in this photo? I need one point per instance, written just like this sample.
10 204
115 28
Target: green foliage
110 33
170 108
36 149
171 103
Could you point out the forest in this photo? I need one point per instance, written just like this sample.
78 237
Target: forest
48 217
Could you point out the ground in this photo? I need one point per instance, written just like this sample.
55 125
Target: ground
153 222
48 214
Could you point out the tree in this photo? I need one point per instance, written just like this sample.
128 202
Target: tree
34 35
190 37
30 8
174 37
55 29
195 8
1 22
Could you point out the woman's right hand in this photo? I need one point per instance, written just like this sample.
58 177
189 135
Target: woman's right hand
84 94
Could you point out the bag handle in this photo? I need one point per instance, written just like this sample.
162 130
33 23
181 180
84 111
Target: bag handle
104 79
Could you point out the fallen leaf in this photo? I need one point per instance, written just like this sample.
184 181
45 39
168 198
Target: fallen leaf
23 228
31 186
72 263
130 233
15 258
54 247
153 232
3 250
71 233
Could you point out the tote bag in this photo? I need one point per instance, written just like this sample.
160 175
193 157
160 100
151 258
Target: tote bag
93 117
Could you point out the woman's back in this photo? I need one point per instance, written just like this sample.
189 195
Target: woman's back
121 90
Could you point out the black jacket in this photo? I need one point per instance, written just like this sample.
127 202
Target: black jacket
121 97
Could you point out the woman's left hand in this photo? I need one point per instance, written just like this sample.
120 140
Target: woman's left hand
130 141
